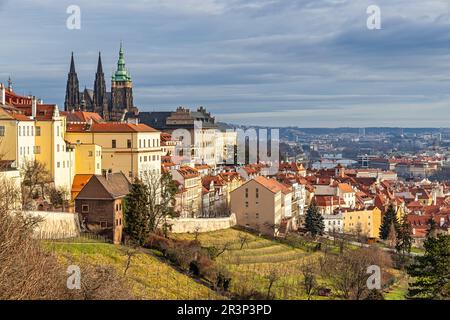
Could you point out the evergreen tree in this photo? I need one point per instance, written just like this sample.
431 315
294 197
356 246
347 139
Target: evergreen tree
314 221
136 213
432 228
404 238
389 217
431 271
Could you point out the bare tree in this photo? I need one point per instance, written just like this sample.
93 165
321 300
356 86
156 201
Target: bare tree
348 271
309 282
161 190
34 176
216 252
30 271
272 277
243 240
130 251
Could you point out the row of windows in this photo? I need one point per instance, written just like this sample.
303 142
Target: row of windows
26 131
149 158
97 153
334 222
26 151
148 172
64 164
142 143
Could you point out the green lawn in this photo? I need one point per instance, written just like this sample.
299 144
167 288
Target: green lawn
148 277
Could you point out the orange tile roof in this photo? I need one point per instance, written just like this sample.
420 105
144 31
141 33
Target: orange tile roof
110 127
79 181
82 116
188 172
273 185
345 188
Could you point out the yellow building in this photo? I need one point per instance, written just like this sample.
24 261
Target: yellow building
17 141
133 149
52 148
365 222
88 159
30 129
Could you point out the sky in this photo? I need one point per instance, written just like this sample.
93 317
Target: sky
306 63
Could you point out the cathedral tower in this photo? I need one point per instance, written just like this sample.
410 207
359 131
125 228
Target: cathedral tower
72 101
121 89
100 99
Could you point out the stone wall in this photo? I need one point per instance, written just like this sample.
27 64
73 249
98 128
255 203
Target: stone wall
56 225
188 225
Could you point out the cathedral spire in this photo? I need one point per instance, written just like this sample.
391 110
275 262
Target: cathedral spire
72 89
72 65
122 74
99 65
100 99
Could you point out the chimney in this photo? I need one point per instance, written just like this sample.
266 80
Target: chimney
33 107
2 94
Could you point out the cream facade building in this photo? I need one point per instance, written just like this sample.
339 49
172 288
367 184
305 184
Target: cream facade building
261 204
134 149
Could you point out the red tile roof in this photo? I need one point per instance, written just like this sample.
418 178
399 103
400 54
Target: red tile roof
110 127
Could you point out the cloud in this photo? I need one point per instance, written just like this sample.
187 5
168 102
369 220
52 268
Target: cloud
298 62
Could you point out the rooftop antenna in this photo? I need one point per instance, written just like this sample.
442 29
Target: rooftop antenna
10 83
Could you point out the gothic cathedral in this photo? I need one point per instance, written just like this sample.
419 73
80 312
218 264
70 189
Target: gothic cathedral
112 106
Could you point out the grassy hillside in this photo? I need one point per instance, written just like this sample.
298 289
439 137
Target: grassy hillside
251 266
148 277
259 258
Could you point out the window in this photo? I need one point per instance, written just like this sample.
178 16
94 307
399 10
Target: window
28 130
129 144
246 192
2 131
32 131
58 164
149 143
114 144
103 224
117 207
20 131
38 131
246 204
57 131
85 208
257 193
37 149
140 143
257 216
91 154
57 148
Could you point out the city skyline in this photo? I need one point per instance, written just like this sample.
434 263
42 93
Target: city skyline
277 63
